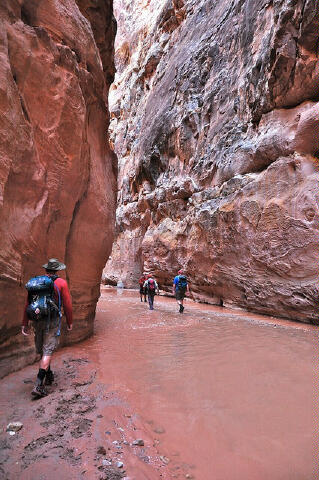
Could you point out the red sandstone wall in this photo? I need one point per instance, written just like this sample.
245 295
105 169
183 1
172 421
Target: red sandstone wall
57 172
215 122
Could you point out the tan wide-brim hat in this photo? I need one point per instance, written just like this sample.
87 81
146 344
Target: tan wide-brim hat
54 264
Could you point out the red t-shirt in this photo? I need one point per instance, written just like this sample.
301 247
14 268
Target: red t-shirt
66 301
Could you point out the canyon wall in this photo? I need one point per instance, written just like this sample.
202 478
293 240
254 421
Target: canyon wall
57 172
214 118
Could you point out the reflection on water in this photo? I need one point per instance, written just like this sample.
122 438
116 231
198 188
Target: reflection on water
225 392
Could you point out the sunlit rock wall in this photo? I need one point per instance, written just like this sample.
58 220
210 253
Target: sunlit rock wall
215 122
57 172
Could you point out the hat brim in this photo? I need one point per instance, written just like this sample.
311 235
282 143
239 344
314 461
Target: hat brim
61 266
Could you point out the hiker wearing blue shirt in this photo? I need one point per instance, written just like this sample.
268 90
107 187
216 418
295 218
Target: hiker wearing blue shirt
180 288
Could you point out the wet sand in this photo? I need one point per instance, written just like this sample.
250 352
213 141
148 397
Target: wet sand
158 376
70 432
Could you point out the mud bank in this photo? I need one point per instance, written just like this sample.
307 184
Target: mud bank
81 430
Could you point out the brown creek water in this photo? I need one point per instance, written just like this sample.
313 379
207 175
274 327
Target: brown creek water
226 392
216 394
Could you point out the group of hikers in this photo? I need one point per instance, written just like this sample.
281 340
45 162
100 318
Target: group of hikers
46 296
149 288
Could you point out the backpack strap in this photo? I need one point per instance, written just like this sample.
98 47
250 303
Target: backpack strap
58 333
53 277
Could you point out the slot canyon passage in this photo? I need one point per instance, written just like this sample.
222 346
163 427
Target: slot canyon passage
202 118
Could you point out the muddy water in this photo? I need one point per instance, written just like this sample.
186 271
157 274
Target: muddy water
227 395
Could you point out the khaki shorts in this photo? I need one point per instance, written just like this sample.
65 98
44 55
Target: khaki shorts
180 295
46 340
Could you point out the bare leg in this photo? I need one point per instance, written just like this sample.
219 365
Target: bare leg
45 362
180 303
150 301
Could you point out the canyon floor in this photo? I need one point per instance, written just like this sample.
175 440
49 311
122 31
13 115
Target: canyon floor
207 395
82 429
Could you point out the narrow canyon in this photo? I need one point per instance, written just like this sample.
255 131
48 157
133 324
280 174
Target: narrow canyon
214 121
153 136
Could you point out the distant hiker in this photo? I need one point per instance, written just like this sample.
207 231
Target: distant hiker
141 282
151 288
46 295
180 287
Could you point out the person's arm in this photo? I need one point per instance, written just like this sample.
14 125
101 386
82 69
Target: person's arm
25 321
67 303
174 286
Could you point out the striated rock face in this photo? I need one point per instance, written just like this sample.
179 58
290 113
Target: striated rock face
215 122
57 172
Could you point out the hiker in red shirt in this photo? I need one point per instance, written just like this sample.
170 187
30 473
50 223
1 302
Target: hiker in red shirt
142 289
46 325
151 287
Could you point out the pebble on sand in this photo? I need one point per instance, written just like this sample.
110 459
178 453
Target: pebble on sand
14 427
101 451
138 442
164 459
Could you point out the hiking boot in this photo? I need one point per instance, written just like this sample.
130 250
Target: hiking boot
39 391
181 309
49 378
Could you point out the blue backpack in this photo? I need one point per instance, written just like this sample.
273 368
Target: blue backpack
42 304
182 283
